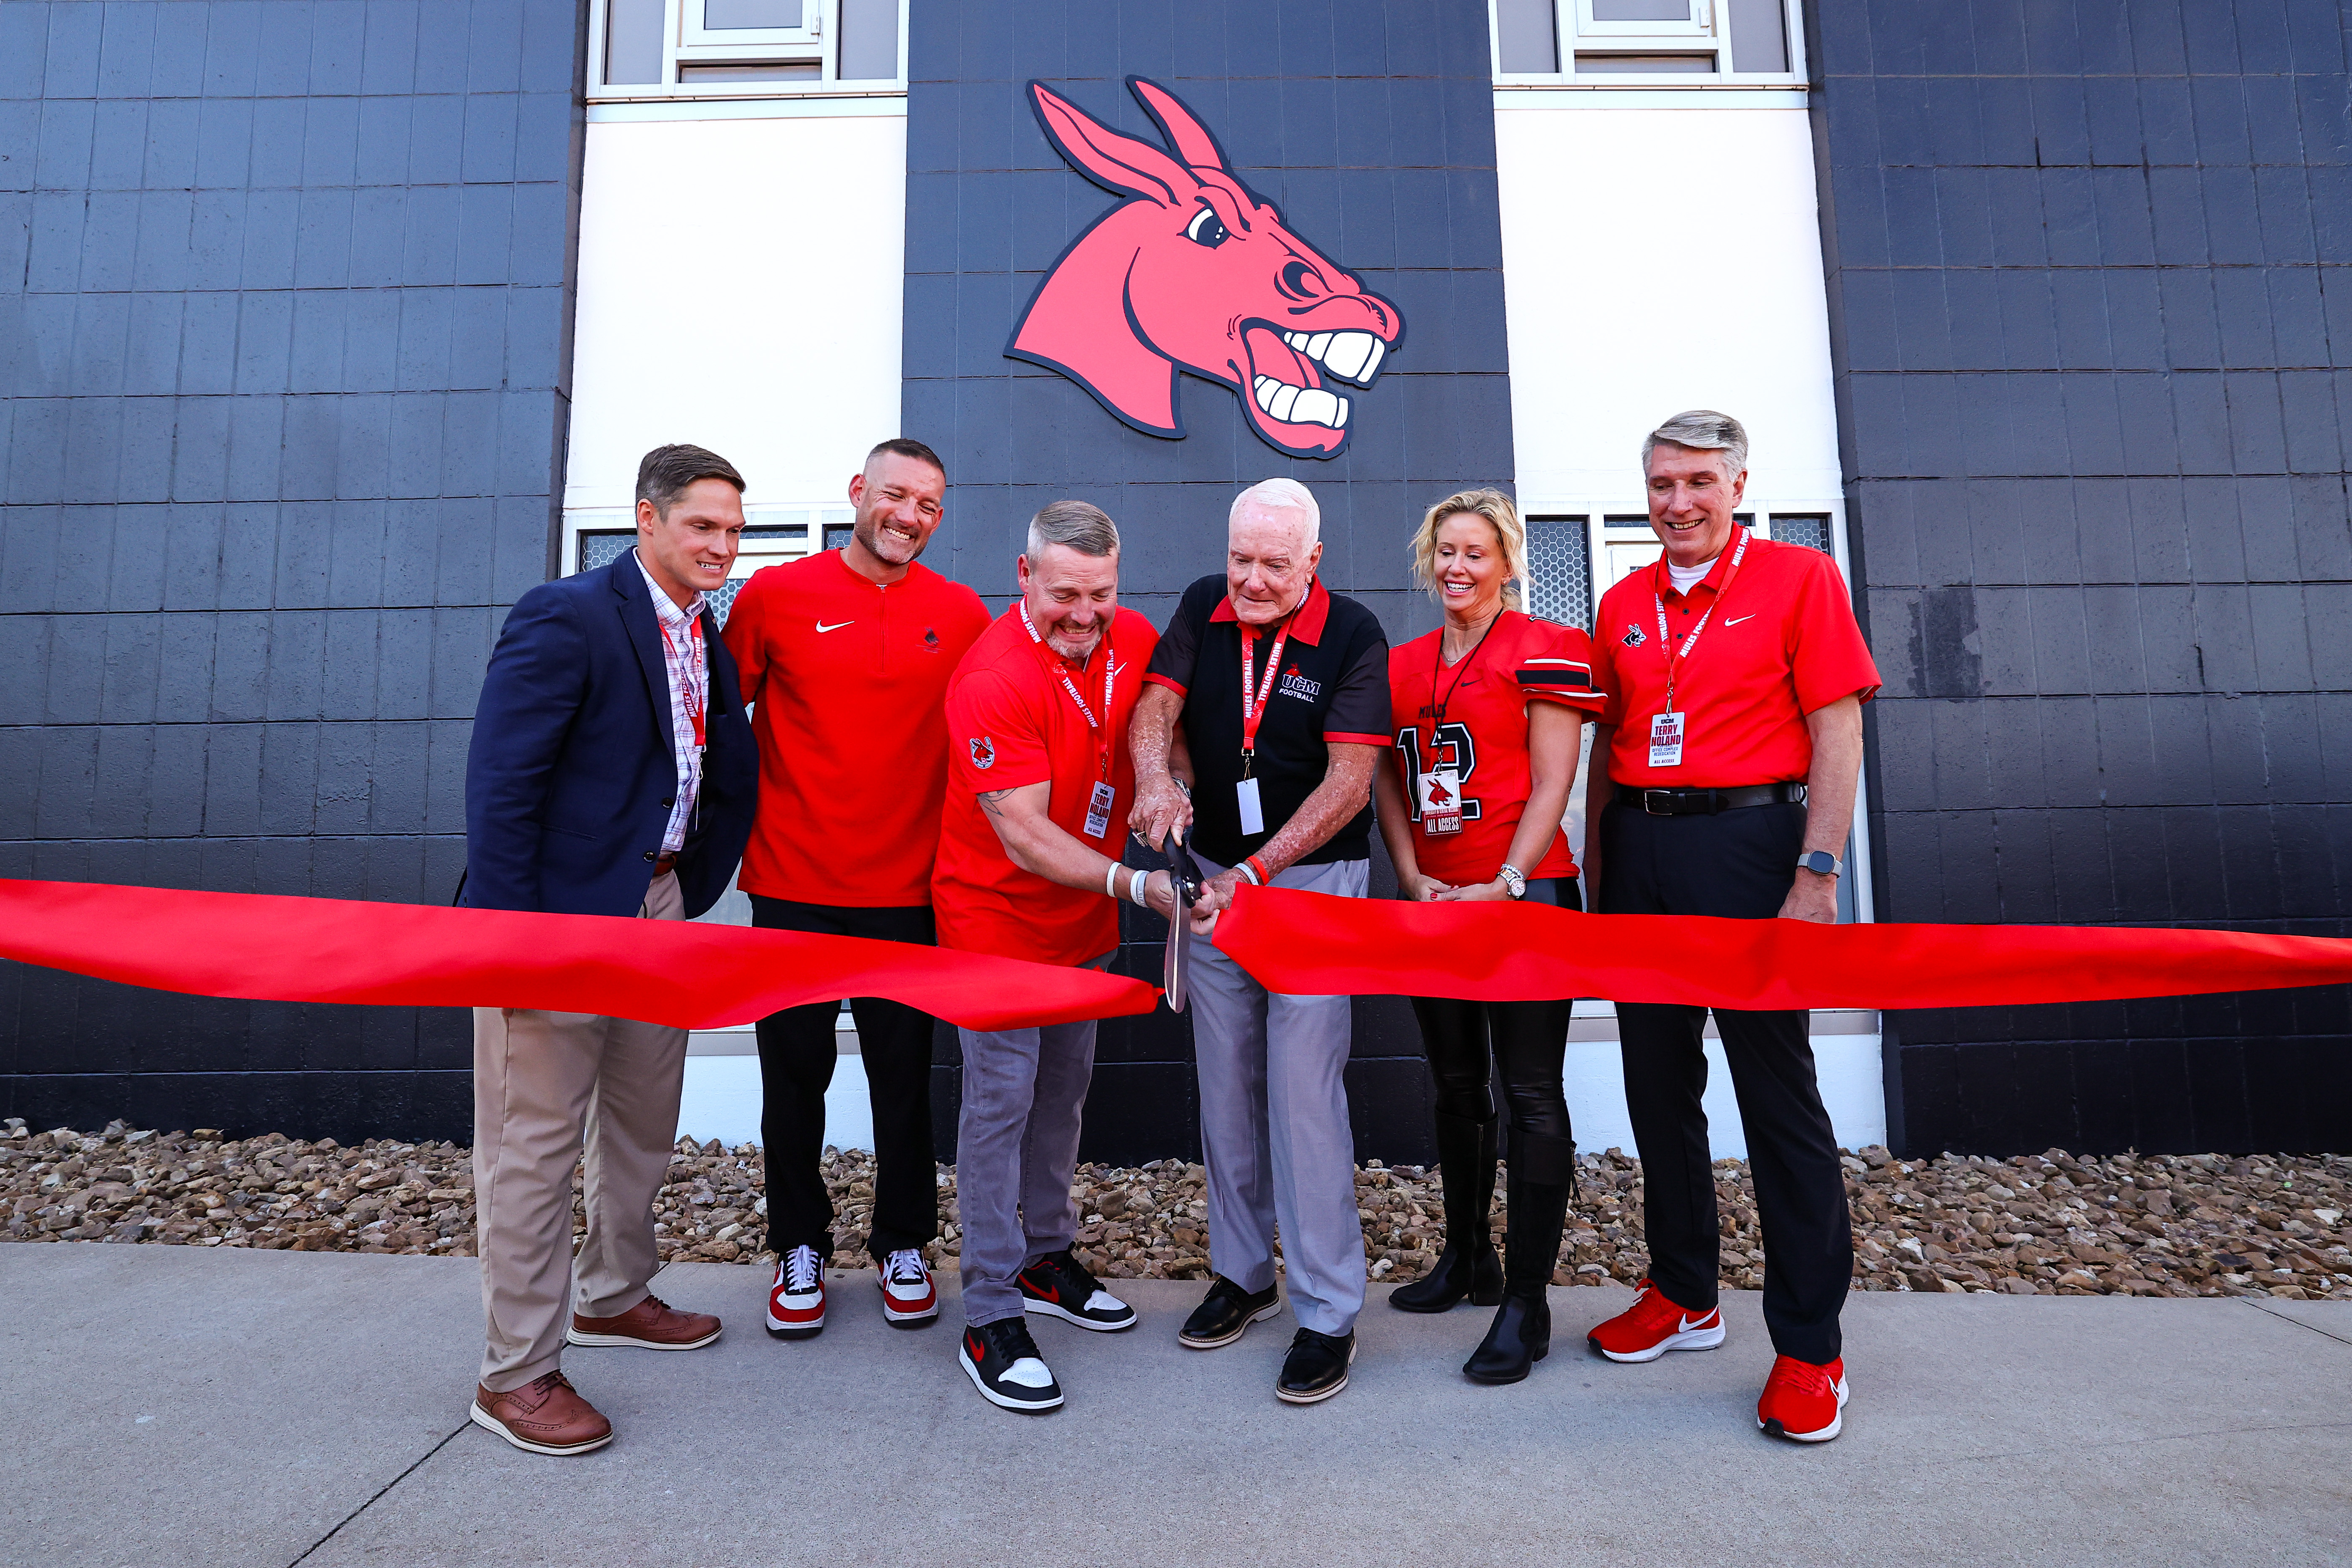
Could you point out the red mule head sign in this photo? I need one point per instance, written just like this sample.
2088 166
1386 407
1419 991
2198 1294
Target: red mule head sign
1193 272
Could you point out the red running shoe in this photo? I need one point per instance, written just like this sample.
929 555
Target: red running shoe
797 1301
1803 1401
1651 1326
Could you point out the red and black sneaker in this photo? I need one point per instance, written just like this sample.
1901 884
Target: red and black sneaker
909 1297
1653 1325
1803 1403
1059 1284
1004 1364
797 1301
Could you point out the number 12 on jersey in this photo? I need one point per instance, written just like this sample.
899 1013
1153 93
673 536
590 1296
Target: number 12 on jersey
1438 802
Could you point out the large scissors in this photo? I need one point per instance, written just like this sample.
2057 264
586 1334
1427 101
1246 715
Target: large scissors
1185 881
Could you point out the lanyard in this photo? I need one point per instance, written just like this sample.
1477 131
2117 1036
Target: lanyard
1061 668
1252 712
1436 668
694 683
1676 658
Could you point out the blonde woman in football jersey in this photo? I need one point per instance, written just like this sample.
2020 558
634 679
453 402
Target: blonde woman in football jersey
1487 712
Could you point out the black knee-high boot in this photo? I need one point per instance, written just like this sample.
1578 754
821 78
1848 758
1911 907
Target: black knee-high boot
1543 1178
1468 1267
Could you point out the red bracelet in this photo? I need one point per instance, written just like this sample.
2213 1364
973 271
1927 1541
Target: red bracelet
1258 873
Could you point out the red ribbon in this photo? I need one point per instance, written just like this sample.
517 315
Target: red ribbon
690 976
1314 944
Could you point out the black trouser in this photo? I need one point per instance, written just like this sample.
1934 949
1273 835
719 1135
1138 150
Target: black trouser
1466 1043
797 1052
1741 864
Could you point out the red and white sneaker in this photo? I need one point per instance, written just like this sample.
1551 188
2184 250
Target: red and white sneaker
1803 1401
1651 1326
797 1301
907 1295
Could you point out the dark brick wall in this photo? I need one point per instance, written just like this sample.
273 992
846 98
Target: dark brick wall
1371 127
2090 273
285 306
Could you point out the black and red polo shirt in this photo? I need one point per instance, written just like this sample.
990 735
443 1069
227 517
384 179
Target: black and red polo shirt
1334 687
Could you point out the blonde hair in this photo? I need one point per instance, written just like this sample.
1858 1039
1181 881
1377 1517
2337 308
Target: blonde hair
1509 532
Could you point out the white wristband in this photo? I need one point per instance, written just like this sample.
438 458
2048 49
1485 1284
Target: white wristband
1249 872
1134 889
1111 878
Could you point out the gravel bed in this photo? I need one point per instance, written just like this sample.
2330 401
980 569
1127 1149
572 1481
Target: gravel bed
2170 1225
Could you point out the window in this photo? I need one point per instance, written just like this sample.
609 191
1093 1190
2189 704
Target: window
1560 560
745 47
772 534
1643 38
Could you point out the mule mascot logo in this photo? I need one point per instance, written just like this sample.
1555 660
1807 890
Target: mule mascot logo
1193 272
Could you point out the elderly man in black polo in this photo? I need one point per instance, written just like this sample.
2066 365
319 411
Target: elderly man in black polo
1282 689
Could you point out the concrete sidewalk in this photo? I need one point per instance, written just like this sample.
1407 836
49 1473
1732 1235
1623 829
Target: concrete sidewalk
190 1407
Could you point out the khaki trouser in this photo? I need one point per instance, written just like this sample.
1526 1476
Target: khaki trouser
544 1084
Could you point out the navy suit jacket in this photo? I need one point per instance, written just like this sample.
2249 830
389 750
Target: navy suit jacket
570 777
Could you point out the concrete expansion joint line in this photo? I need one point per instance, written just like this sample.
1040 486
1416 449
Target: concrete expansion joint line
2265 1307
378 1492
2164 1437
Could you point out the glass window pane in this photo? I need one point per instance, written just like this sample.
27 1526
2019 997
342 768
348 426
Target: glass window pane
1759 40
752 70
868 40
1631 10
754 14
1590 65
633 43
1526 36
1809 529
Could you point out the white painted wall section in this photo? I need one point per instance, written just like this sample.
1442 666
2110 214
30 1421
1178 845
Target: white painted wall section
741 288
1656 259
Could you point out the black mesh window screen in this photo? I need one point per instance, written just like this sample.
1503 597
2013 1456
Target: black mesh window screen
1560 559
1810 528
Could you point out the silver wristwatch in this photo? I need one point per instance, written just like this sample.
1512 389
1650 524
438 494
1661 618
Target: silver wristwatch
1515 880
1821 863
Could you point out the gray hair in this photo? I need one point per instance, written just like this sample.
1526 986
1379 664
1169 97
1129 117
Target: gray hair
1280 495
1702 430
1081 525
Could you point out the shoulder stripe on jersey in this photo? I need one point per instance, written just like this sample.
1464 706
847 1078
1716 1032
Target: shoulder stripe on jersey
1578 678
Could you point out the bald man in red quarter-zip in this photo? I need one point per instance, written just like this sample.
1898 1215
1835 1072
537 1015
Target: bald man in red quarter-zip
846 656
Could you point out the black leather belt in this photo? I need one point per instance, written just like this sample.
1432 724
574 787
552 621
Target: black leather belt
1707 802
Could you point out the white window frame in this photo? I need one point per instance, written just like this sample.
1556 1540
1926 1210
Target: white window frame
1708 32
580 522
686 42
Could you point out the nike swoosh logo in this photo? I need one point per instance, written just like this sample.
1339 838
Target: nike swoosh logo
835 626
1732 622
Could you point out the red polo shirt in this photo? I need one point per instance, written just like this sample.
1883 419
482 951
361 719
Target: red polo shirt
1010 722
1781 643
847 677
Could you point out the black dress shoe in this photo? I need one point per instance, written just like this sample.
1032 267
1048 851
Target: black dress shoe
1226 1314
1520 1337
1477 1276
1316 1368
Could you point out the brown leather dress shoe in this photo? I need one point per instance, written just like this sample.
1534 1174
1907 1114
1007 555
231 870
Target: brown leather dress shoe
649 1325
545 1415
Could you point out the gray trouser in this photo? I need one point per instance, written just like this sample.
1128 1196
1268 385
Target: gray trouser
1273 1125
1025 1092
547 1086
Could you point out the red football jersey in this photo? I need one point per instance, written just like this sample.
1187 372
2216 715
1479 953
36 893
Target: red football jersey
846 678
1473 717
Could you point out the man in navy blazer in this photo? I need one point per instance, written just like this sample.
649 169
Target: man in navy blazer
612 773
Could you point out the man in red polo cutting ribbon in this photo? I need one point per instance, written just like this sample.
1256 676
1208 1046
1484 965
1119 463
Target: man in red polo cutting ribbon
1723 785
1040 783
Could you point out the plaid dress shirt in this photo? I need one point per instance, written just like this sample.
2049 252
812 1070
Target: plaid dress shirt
688 667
